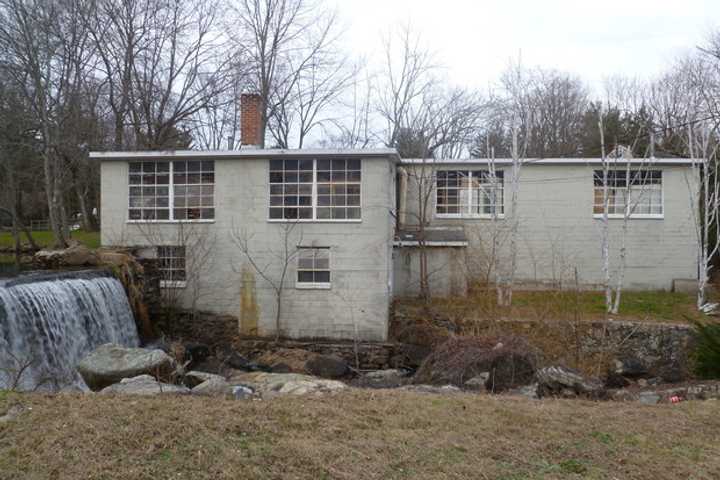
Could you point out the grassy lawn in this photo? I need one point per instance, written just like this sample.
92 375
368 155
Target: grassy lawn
45 238
654 306
358 434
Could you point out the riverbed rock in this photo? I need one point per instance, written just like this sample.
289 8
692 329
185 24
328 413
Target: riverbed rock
108 364
478 383
144 385
272 384
216 386
509 360
327 366
390 378
562 381
193 378
432 389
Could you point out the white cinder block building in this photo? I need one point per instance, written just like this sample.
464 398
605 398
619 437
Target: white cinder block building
340 227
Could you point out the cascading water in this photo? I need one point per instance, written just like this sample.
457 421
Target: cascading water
48 326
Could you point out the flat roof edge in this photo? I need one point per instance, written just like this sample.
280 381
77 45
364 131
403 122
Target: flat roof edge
253 153
550 161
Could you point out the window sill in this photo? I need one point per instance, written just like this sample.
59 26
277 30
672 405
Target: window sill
170 221
312 286
324 220
619 216
172 284
460 216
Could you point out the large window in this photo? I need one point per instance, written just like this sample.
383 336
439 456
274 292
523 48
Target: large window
171 266
468 193
322 189
635 192
313 269
172 191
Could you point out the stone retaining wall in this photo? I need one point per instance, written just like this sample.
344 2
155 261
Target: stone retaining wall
661 349
370 356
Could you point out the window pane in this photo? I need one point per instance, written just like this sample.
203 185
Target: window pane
322 277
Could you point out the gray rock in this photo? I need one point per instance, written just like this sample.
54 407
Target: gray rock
144 385
478 383
528 391
109 364
272 384
327 366
74 256
631 367
559 380
391 378
649 398
432 389
12 413
242 392
194 378
212 387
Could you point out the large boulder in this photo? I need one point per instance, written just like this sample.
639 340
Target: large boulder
193 378
77 255
327 366
144 385
562 381
509 362
213 387
273 384
108 364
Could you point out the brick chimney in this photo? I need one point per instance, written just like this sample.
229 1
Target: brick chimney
250 119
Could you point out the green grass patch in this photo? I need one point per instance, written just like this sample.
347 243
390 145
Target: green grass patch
659 305
44 238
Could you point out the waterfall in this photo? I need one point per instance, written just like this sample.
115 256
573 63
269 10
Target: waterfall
48 325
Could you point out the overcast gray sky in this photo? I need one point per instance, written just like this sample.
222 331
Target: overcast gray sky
475 40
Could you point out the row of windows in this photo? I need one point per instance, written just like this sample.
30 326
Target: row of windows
479 193
330 189
326 189
313 266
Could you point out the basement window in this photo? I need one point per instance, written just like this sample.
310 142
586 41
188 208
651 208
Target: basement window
468 194
171 191
171 266
313 268
639 193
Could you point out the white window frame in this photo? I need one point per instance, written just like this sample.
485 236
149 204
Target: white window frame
469 205
633 216
171 195
172 283
314 218
313 285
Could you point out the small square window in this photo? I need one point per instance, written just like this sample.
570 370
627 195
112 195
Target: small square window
313 267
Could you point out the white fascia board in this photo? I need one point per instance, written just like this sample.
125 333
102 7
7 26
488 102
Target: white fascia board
249 153
551 161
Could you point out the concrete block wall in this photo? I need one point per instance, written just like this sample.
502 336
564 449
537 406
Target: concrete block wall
224 282
558 235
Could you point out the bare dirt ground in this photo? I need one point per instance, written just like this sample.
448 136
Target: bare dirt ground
355 434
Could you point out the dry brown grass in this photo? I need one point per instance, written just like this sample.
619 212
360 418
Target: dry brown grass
358 434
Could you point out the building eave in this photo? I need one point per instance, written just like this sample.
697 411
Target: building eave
551 161
245 154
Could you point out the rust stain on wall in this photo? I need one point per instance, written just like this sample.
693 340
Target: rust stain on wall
249 311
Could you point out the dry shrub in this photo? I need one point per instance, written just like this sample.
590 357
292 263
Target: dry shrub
509 360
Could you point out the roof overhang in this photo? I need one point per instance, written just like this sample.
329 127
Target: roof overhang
249 154
551 161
